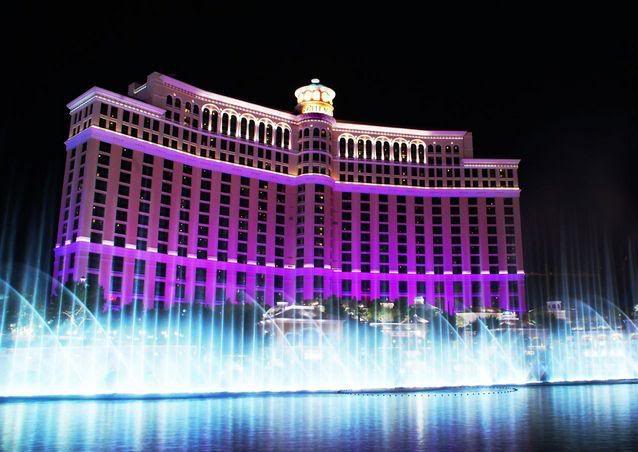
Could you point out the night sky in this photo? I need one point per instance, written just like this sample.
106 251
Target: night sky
560 93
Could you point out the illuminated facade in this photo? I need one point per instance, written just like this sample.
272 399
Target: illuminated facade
175 194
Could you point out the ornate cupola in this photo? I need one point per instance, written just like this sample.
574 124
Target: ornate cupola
315 98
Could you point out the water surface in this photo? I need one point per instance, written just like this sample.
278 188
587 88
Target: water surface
584 417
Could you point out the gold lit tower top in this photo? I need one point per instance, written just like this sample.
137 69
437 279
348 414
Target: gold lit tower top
315 98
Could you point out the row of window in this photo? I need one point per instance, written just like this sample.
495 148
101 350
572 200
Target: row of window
394 153
397 151
201 277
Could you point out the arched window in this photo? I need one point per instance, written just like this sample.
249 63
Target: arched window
262 132
278 137
413 156
421 153
379 152
205 118
386 151
350 148
438 148
243 127
430 148
287 138
315 132
195 109
456 149
178 103
342 148
225 123
233 126
214 116
360 149
323 133
395 152
169 100
368 149
187 107
251 130
404 152
269 134
306 132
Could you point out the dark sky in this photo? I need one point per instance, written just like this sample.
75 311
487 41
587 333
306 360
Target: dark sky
554 88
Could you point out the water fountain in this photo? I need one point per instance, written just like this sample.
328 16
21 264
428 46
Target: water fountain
75 344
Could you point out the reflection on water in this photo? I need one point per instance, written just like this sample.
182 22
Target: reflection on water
565 417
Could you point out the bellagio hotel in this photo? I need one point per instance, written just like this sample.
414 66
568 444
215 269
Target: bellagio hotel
173 194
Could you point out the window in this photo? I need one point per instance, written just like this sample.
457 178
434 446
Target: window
117 265
200 274
94 260
140 267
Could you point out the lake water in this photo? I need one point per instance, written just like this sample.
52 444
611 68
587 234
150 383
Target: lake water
584 417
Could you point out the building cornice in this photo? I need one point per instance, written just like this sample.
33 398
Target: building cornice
350 127
207 96
491 163
229 102
114 98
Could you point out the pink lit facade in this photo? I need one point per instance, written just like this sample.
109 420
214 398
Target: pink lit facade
175 194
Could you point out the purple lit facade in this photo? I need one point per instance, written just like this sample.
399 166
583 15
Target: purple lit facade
175 194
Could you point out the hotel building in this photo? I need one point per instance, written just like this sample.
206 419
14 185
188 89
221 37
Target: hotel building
176 194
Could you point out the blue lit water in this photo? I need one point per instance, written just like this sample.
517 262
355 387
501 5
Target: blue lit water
583 417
